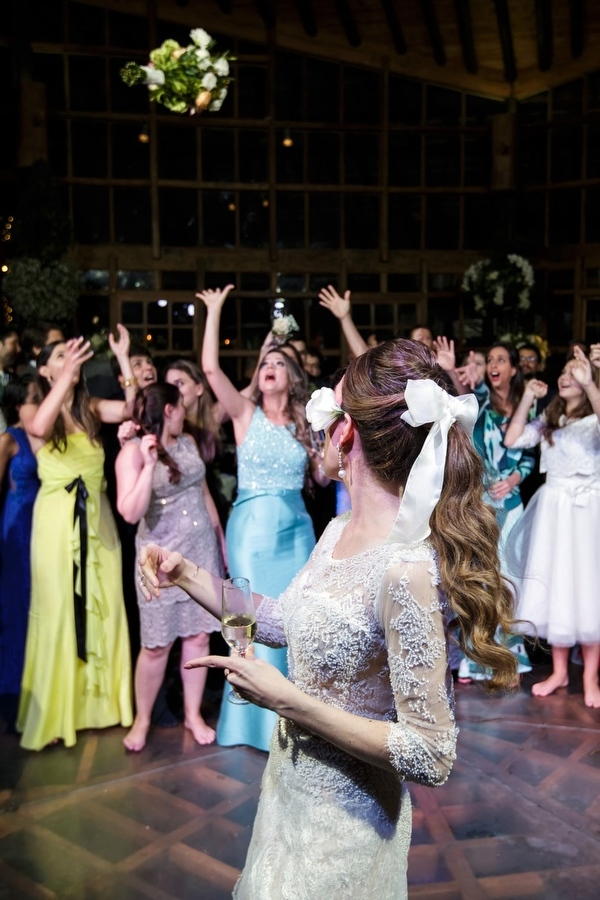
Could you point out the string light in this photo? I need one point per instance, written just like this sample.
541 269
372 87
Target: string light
287 141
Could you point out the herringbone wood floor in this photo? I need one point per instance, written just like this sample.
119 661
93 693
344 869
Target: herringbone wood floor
518 818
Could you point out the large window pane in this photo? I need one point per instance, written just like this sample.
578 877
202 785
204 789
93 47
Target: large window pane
288 86
86 83
178 217
218 155
442 106
47 23
566 159
49 70
218 218
290 219
90 215
251 86
361 220
130 157
405 102
322 91
404 159
442 160
593 151
89 144
132 216
479 110
404 226
85 25
254 220
564 215
567 99
253 155
361 158
592 215
533 218
479 223
532 156
289 160
362 95
128 31
324 221
57 147
176 152
478 155
442 222
323 157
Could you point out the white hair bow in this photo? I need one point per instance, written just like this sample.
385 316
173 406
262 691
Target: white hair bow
428 402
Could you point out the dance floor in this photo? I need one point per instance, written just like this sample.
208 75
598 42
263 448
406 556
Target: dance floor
518 818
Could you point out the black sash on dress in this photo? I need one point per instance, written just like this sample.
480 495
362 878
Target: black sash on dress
80 512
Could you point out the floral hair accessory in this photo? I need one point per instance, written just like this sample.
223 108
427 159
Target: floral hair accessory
322 410
428 403
184 79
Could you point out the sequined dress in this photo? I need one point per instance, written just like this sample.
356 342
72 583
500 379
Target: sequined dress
269 538
366 635
177 518
552 552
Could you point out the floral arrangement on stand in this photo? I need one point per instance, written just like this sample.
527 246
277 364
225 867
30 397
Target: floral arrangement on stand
184 79
505 283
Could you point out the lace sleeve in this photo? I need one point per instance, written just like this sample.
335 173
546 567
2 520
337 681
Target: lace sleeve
269 623
532 435
422 742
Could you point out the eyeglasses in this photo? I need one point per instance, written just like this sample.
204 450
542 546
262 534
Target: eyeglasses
529 359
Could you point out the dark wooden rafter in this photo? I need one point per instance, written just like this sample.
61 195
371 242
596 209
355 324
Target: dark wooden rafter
433 30
543 23
265 10
506 41
225 6
348 22
465 30
394 26
307 17
577 12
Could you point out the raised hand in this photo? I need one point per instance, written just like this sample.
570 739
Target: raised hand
158 568
77 352
537 388
331 300
214 299
595 355
580 367
444 353
468 375
121 344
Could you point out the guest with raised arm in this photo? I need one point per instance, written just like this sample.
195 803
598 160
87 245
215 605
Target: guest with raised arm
368 705
552 553
269 533
77 671
340 308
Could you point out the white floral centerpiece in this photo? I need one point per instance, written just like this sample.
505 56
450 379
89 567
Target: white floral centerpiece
502 287
184 79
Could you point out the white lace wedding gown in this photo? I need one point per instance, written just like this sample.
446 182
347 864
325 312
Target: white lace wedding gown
552 553
367 635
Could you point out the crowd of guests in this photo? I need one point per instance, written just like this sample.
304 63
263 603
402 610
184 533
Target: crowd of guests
88 481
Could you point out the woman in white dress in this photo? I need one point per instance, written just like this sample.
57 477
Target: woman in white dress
552 555
368 704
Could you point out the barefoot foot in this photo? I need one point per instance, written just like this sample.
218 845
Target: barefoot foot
547 687
135 739
591 695
203 733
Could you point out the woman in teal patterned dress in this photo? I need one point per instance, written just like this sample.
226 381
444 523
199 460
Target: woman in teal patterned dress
269 532
499 396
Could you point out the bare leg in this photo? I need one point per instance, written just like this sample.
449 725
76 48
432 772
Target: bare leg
591 689
149 674
560 674
194 681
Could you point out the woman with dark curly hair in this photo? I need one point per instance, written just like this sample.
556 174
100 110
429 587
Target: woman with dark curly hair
269 533
368 705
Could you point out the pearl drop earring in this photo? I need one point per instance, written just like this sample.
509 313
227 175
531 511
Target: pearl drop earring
341 469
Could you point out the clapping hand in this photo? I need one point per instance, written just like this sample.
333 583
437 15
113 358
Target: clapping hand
214 299
331 300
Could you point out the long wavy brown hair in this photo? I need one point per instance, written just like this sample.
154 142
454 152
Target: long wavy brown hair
80 407
203 430
464 530
297 396
149 414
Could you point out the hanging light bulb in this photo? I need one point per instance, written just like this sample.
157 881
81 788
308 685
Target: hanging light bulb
143 137
287 141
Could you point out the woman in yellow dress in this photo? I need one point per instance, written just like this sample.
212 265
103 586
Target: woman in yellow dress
77 671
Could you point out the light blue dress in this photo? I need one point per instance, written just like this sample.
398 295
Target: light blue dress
269 538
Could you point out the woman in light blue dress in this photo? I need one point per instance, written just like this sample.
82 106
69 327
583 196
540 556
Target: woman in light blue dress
269 533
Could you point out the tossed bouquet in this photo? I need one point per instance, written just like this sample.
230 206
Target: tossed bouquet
503 283
184 79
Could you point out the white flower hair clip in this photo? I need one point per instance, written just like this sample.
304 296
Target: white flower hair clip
322 410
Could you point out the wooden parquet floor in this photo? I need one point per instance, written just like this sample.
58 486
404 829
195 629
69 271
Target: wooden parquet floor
518 818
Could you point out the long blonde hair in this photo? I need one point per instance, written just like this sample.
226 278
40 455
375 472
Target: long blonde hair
464 530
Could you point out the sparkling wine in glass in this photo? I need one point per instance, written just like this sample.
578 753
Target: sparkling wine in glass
238 620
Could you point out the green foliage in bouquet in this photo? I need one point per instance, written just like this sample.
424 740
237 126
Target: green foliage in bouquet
184 79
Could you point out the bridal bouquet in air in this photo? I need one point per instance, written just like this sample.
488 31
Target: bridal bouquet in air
184 79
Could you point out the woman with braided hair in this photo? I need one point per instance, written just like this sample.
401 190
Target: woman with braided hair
161 484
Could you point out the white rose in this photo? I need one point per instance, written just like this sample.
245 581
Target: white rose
322 410
280 325
200 37
221 66
209 81
201 53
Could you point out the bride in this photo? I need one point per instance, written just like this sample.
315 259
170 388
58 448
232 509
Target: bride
368 704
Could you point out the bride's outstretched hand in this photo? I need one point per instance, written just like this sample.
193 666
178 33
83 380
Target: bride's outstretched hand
158 568
255 679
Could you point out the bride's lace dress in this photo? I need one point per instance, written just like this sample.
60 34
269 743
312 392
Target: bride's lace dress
367 635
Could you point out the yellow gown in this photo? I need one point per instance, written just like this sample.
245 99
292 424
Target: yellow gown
60 693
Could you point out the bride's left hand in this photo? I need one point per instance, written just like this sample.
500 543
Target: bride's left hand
255 679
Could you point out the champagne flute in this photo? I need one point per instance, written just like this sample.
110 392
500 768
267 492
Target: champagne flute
238 621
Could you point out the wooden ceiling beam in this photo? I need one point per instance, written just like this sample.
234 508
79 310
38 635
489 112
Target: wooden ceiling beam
506 41
433 29
266 12
465 30
394 26
577 13
307 17
348 22
543 22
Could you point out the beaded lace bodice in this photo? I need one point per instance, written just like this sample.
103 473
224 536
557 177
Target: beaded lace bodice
270 457
368 635
575 449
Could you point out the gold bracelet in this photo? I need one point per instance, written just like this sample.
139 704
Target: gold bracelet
128 382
